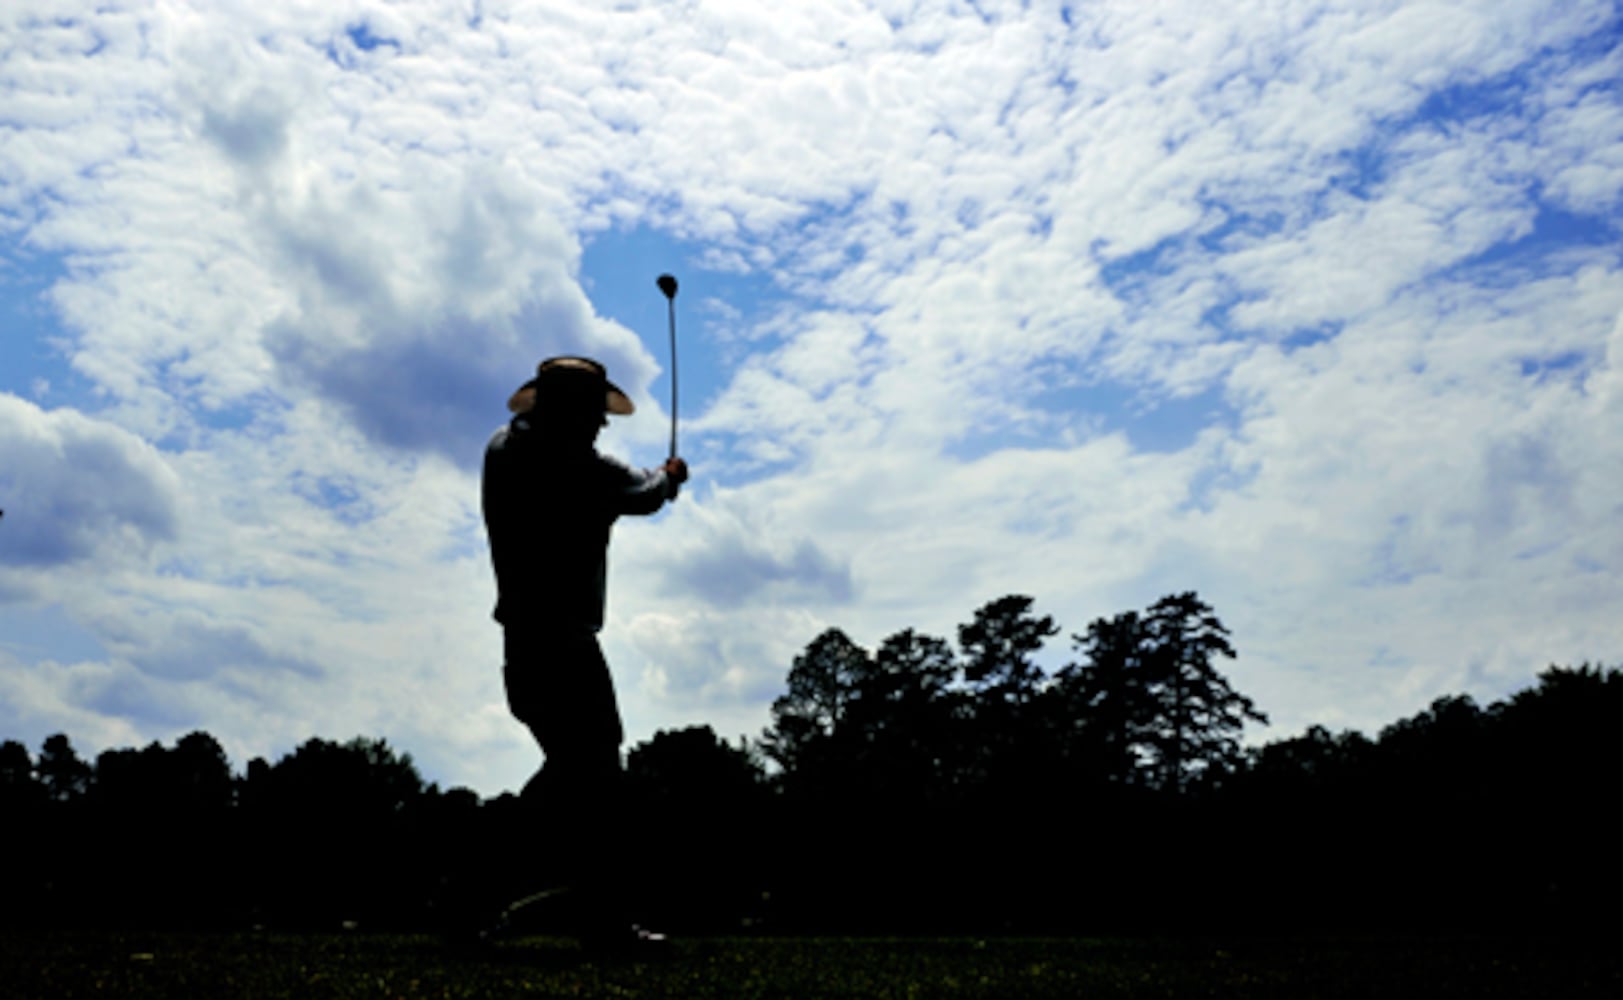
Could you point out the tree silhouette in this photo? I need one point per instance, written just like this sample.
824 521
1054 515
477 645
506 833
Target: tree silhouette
701 795
1558 762
18 787
1313 760
905 713
199 774
363 777
909 800
1009 737
908 669
126 779
22 801
172 810
694 768
64 776
998 645
1102 704
335 824
822 684
1198 716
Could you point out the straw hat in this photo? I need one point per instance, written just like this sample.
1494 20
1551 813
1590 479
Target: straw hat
579 378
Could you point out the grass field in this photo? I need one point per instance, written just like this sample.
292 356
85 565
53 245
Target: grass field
375 965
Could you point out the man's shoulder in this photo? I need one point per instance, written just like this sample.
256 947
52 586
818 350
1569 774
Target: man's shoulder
508 439
501 437
503 455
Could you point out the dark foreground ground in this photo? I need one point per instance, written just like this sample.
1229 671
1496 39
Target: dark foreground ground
376 965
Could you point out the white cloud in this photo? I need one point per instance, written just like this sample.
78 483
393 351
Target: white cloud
78 490
44 698
304 274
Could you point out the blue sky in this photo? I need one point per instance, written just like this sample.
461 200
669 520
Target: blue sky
1313 308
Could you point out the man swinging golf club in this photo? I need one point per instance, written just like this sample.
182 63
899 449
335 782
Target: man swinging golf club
550 501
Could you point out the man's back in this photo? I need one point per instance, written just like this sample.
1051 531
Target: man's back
549 506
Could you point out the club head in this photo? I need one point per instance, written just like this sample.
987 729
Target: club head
667 284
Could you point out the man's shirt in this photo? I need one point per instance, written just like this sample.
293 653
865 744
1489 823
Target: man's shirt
548 510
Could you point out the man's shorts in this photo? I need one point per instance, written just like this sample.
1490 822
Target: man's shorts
559 685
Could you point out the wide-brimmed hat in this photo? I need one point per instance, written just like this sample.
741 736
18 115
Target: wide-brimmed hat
579 378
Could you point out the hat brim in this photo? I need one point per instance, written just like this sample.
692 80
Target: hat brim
615 400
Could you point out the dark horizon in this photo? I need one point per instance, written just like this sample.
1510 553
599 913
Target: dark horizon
907 781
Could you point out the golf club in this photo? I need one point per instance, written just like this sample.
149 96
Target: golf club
667 284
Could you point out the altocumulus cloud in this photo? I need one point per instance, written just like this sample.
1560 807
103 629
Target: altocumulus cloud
1367 251
727 560
411 314
78 489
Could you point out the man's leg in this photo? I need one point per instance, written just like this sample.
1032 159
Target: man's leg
561 688
581 818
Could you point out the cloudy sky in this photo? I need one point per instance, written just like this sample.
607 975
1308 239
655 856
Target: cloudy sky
1311 307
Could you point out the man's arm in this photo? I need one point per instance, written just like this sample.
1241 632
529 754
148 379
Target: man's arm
643 491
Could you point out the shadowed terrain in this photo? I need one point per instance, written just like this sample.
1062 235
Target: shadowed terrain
266 966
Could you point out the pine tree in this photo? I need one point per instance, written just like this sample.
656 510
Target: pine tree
1197 715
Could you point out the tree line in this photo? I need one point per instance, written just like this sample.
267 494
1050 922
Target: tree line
921 785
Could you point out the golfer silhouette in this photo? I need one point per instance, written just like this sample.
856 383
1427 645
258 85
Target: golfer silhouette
550 500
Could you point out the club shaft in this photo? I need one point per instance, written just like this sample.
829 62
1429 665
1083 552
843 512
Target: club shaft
670 304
